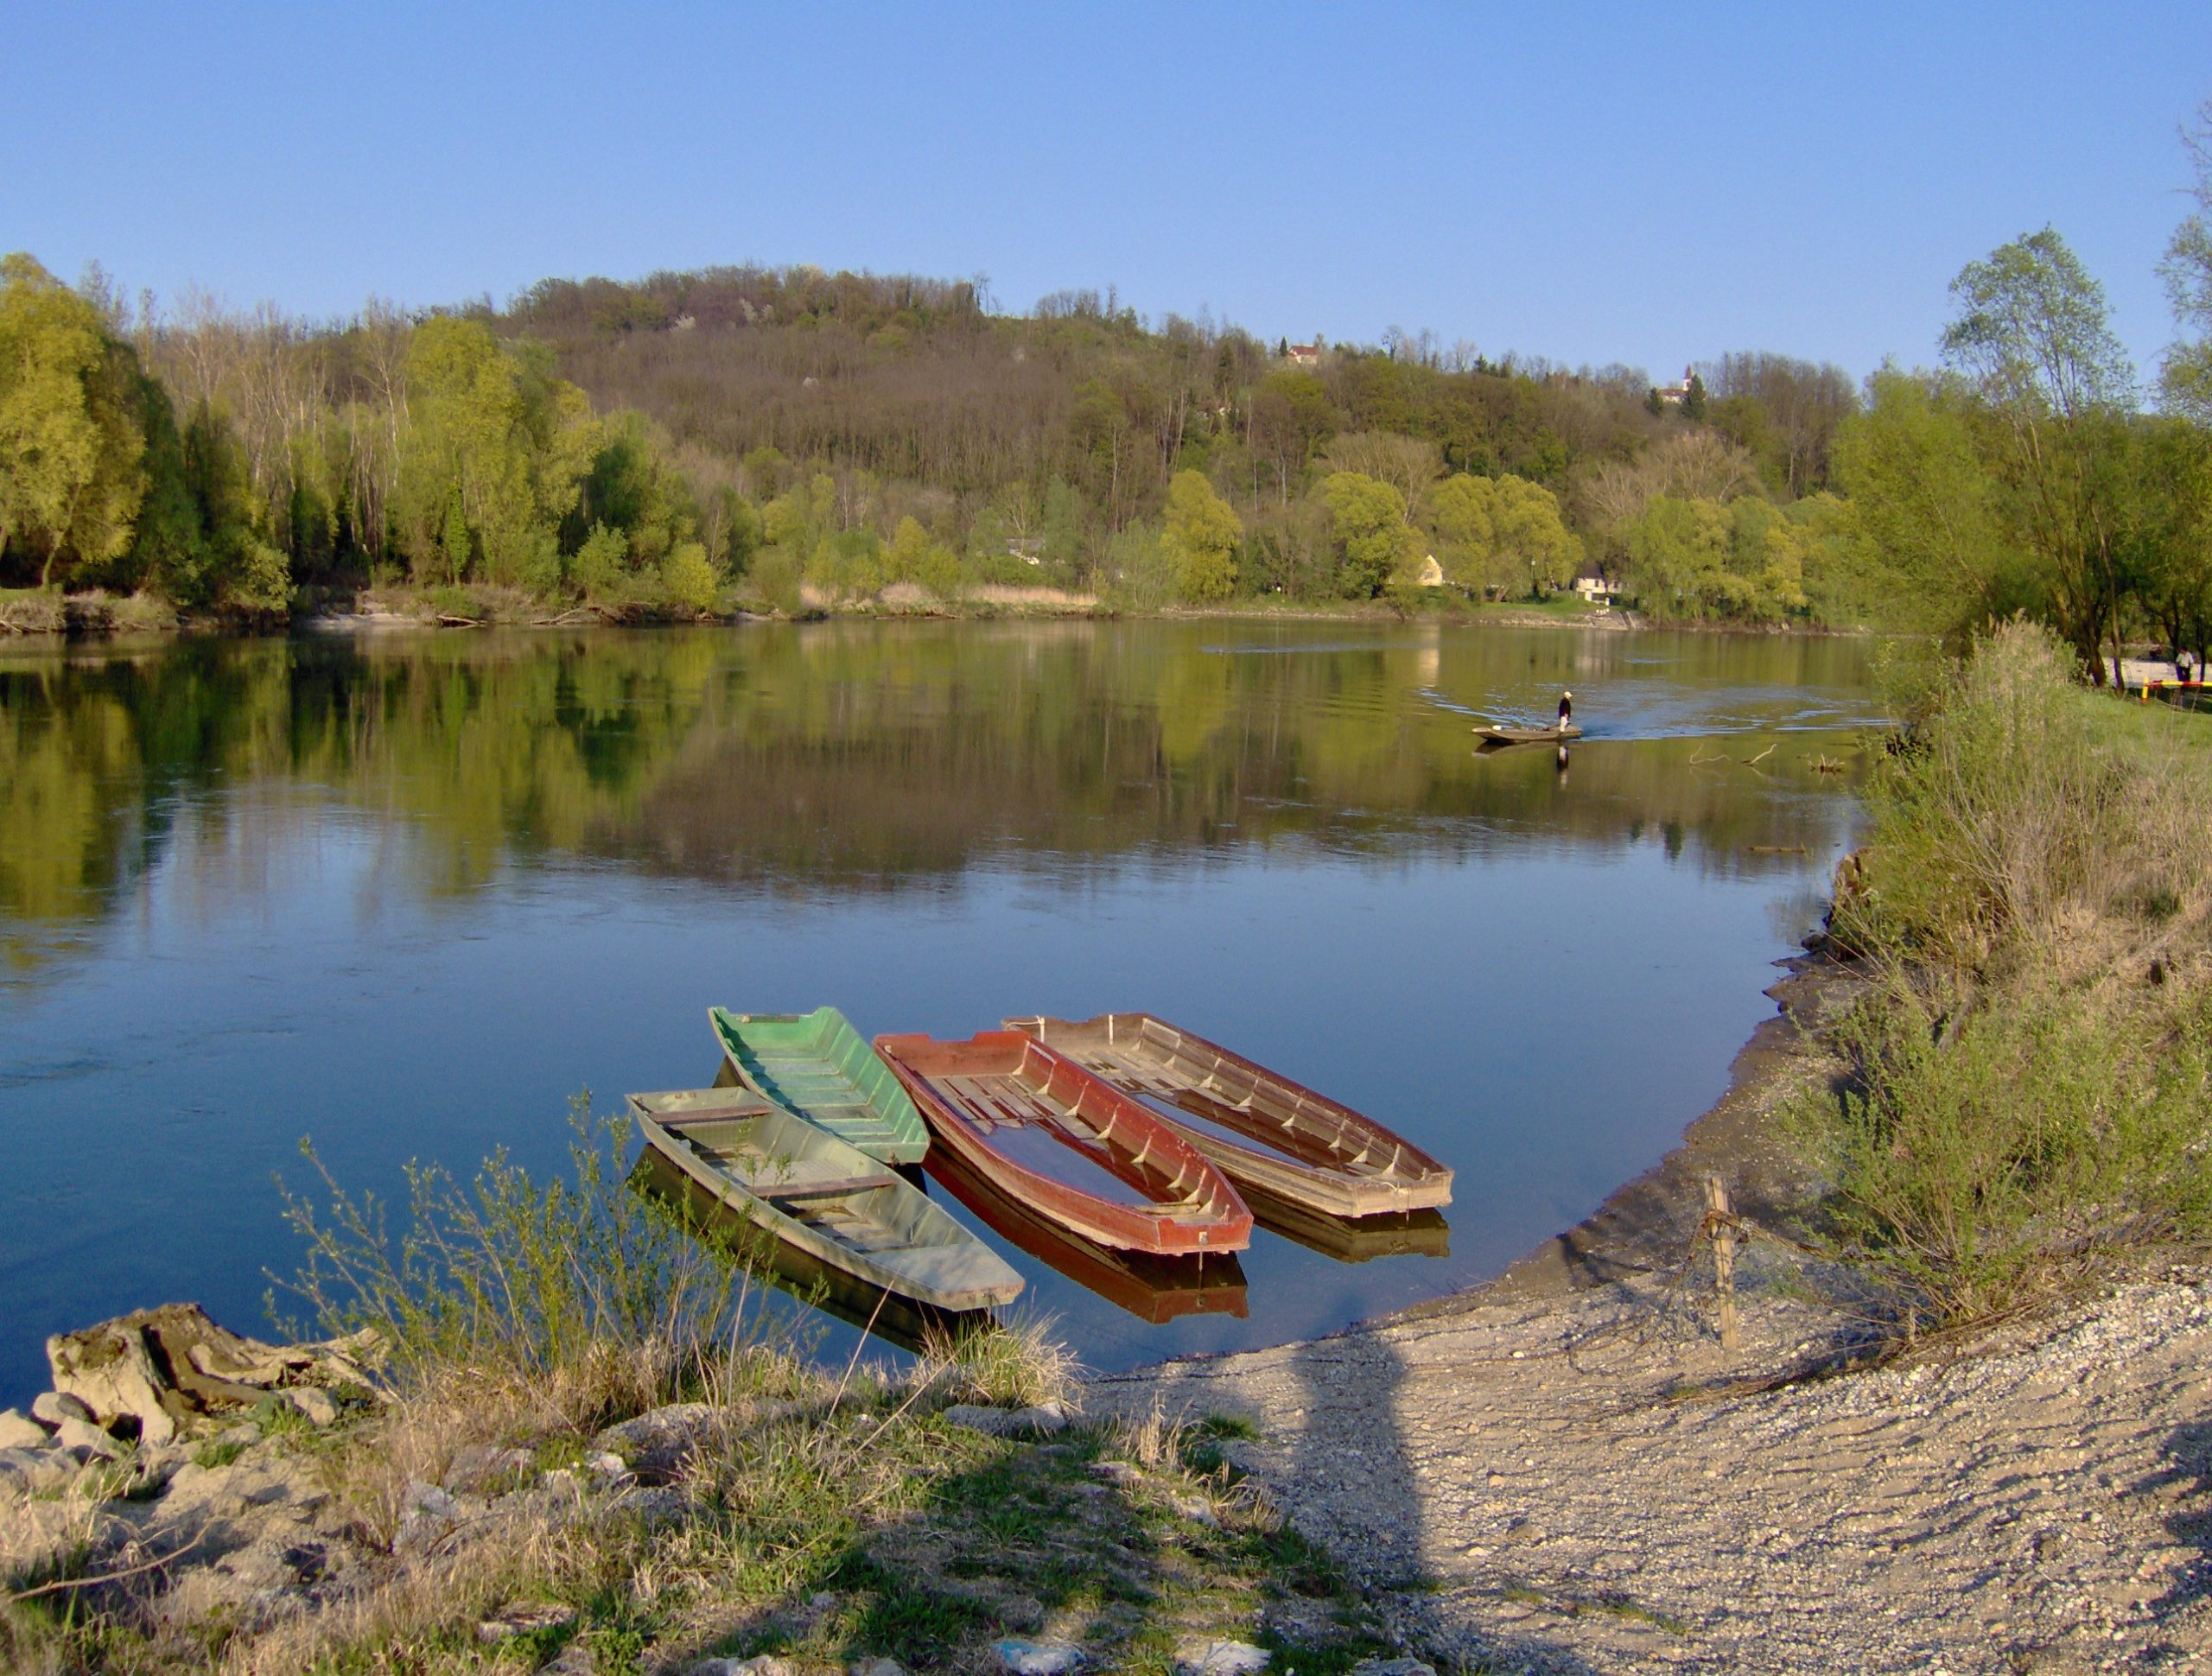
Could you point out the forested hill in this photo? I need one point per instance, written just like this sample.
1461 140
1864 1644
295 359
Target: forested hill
691 441
913 382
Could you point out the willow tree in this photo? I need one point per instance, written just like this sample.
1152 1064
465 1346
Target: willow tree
70 442
2032 340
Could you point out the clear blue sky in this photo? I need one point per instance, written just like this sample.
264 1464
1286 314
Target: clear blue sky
1647 184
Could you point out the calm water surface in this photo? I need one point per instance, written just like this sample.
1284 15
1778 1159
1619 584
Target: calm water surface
408 895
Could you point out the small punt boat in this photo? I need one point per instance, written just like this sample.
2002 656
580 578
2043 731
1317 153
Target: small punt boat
1264 1130
895 1319
831 1200
815 1063
1527 735
1153 1289
1047 1132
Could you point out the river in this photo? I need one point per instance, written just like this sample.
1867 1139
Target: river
408 892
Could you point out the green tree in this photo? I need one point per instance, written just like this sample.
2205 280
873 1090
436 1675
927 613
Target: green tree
1505 533
1202 533
1368 523
2032 339
70 441
2186 376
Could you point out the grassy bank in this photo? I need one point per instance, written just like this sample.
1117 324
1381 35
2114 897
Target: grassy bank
589 1443
2025 1110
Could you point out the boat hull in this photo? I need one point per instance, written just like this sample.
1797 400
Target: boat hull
1263 1131
816 1065
1527 735
1000 1091
831 1200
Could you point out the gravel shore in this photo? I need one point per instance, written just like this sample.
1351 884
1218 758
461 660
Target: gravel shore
1563 1471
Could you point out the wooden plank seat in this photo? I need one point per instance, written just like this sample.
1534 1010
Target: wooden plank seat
826 1188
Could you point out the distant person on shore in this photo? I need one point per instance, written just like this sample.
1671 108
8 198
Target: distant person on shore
1565 710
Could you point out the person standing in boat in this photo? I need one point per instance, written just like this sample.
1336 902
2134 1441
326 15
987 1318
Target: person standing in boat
1565 710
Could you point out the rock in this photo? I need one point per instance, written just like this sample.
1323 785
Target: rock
1119 1473
764 1664
19 1431
659 1443
314 1402
1037 1658
1198 1512
74 1433
1044 1419
1212 1658
32 1471
110 1369
606 1467
523 1618
52 1408
875 1667
477 1469
426 1513
574 1660
1393 1667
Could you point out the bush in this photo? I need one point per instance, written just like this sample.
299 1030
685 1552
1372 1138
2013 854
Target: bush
690 579
1987 1157
588 1297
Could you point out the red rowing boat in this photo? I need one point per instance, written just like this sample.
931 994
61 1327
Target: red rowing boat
1040 1127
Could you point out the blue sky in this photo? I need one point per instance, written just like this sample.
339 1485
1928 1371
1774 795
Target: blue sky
1646 184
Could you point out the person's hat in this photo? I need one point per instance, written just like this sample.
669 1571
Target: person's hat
1566 695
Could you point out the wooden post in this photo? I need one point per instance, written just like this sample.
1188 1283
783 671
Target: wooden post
1721 1224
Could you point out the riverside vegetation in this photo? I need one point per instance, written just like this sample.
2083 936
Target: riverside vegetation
584 1442
694 443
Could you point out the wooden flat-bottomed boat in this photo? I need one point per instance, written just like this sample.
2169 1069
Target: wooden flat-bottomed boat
1279 1137
816 1065
1153 1289
1527 735
1048 1133
810 1190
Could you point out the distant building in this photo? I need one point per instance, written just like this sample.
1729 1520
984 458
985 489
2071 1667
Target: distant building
1592 584
1430 574
1675 395
1305 354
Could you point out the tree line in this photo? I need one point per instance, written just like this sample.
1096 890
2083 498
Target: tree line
767 435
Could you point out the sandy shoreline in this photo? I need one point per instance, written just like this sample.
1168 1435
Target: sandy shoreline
1560 1470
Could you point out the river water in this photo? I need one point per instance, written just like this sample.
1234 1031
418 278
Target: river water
407 893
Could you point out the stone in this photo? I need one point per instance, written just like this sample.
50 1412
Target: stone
1213 1658
1190 1507
764 1664
19 1431
1120 1473
32 1471
53 1406
1037 1658
110 1369
1393 1667
74 1433
523 1618
606 1467
318 1404
659 1443
1044 1419
426 1513
478 1468
574 1660
875 1667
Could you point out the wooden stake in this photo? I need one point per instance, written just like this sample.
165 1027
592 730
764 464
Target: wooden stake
1720 1225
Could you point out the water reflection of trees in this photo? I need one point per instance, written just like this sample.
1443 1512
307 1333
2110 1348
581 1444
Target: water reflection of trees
853 756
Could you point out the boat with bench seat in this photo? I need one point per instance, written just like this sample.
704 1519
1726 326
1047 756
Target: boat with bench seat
805 1187
1041 1128
816 1065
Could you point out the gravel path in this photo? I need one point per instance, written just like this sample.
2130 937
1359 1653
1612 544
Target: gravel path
1554 1485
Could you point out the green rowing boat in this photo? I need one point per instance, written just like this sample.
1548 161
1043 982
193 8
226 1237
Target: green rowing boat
816 1065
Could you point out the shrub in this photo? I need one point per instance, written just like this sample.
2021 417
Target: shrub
690 579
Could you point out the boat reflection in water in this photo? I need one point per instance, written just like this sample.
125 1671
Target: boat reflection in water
897 1320
1153 1289
1352 1239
